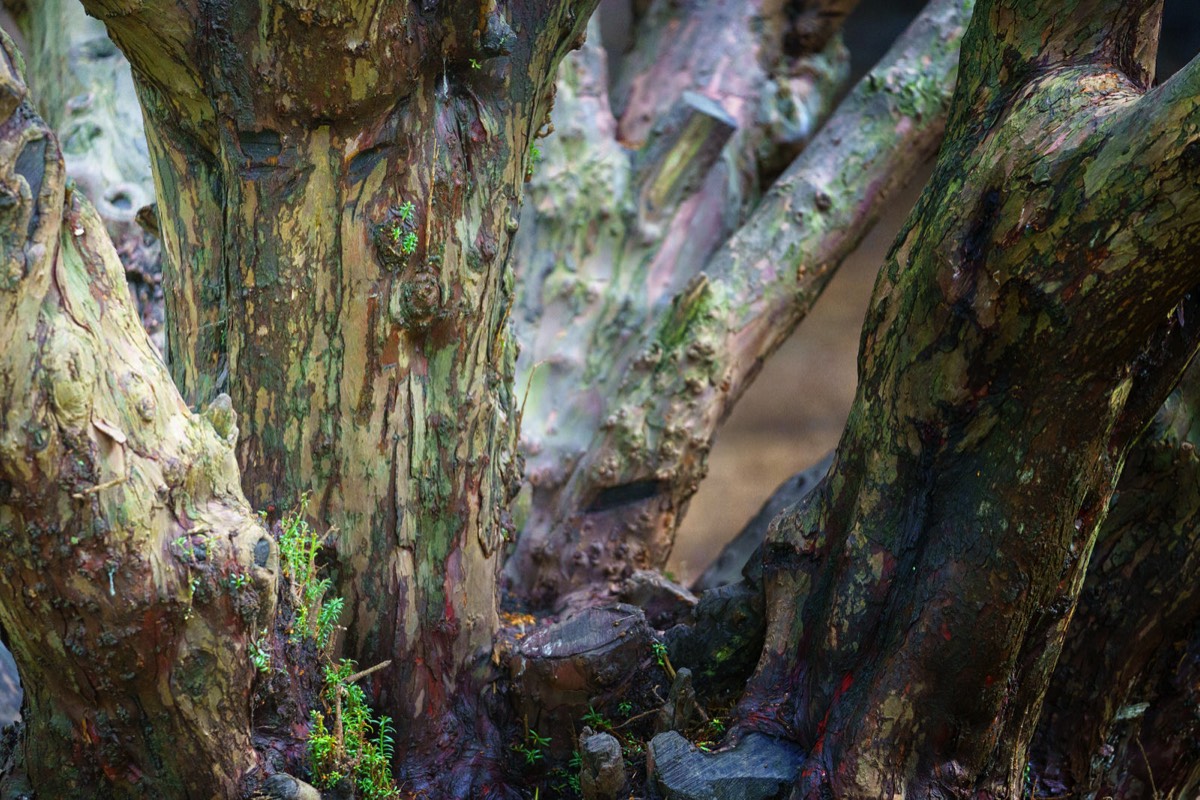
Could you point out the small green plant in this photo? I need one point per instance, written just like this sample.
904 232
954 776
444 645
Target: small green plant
660 654
595 720
625 708
406 211
475 64
260 657
531 748
535 157
408 245
346 739
315 617
192 550
237 581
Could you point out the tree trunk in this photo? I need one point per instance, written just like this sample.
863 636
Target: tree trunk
1020 335
344 180
646 316
134 572
1120 713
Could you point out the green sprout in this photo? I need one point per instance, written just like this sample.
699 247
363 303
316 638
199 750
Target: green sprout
664 661
359 745
408 245
531 749
315 617
406 211
594 719
475 64
260 657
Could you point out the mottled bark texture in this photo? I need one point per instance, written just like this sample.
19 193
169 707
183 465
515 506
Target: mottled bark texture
133 571
1022 331
83 87
1122 713
654 281
343 180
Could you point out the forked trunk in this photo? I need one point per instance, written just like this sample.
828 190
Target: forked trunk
1020 335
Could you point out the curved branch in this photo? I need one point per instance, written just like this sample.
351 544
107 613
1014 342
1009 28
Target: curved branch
124 525
700 349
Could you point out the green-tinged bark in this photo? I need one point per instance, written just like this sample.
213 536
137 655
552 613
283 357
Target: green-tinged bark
1128 680
85 91
652 326
705 99
134 572
1020 335
344 180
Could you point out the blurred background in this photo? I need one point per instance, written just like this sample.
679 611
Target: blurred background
794 413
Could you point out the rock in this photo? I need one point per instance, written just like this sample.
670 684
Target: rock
681 711
602 776
282 786
723 643
663 601
760 767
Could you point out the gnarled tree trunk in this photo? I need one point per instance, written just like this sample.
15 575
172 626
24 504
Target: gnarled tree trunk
339 184
648 300
1020 335
134 572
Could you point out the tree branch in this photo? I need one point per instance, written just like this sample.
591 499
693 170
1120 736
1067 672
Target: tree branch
702 349
1119 34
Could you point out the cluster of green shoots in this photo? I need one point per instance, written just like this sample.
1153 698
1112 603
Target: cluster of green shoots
348 740
535 158
531 747
402 232
315 615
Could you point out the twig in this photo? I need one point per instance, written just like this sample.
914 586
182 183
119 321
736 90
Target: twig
1149 769
360 675
99 487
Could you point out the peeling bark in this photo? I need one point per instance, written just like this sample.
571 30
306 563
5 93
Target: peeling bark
133 570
